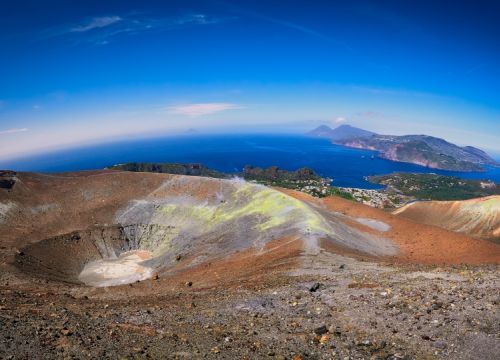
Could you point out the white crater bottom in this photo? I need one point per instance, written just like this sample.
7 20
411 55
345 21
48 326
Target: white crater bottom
125 269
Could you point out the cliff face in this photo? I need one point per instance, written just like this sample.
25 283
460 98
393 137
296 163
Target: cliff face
423 150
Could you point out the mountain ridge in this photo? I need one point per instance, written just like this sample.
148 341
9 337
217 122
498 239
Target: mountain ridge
424 150
341 132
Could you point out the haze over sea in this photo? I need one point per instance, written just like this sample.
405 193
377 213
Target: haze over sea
230 153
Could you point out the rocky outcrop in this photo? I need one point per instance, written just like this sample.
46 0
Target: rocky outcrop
425 151
193 169
7 179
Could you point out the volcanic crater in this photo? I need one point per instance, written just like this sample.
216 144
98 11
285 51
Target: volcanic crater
212 220
113 264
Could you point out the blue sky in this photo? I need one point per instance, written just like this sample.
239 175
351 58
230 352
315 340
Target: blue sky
88 71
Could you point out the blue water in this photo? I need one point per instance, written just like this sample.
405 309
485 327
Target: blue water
348 167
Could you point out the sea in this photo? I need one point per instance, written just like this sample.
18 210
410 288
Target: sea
230 153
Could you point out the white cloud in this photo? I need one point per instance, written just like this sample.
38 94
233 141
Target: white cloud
202 108
12 131
97 23
340 120
102 30
196 19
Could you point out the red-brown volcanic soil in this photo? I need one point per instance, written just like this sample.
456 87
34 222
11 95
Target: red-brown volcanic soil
56 208
278 299
419 243
51 205
61 203
478 218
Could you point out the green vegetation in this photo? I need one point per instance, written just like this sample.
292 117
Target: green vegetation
420 152
420 186
170 168
274 173
338 192
304 179
437 187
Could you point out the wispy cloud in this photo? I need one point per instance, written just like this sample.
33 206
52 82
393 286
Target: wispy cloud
340 120
246 12
97 23
103 29
294 26
12 131
202 108
196 19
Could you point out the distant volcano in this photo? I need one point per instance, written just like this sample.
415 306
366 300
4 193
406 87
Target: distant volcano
341 132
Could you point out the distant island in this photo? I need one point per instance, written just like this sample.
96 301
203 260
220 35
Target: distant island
421 150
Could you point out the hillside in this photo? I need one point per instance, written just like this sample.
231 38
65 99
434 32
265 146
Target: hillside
422 150
476 217
304 179
118 264
436 187
341 132
170 168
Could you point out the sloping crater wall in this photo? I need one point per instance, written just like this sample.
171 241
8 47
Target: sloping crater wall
203 218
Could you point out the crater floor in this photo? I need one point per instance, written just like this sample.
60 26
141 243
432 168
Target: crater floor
125 269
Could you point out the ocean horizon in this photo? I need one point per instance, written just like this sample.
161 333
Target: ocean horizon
347 167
